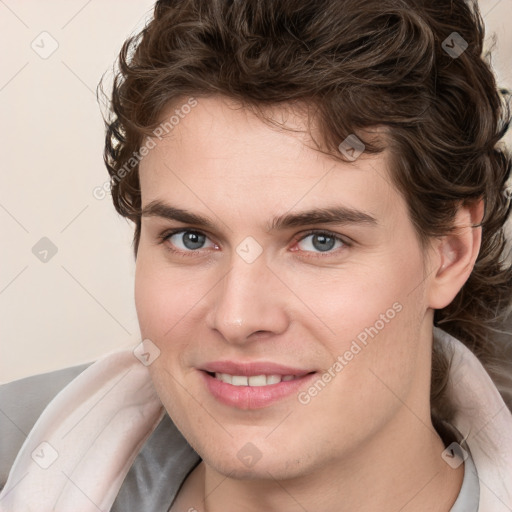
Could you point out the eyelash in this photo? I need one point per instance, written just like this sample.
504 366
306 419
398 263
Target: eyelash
168 234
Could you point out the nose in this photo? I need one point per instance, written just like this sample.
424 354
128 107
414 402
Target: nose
248 303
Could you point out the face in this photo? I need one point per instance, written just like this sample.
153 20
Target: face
285 292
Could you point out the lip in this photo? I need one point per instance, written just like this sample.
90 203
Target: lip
253 397
253 368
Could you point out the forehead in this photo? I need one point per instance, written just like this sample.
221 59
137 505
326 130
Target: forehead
222 152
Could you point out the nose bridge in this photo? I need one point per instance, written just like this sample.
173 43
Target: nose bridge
247 299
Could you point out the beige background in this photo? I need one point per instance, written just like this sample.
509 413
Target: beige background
78 304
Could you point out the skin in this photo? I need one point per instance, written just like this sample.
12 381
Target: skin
369 429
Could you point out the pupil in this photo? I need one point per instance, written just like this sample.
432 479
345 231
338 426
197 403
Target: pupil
193 240
323 243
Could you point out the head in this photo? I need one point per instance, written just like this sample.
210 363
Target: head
244 115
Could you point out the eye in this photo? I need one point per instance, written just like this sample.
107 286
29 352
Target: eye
321 241
187 240
190 241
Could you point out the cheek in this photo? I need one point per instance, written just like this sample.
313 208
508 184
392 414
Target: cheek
373 316
345 303
153 304
163 296
164 301
372 378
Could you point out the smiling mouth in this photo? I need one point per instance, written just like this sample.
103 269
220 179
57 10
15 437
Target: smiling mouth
252 380
254 391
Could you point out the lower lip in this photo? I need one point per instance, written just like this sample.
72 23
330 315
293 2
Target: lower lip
253 397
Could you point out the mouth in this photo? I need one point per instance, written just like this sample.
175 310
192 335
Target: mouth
253 386
252 380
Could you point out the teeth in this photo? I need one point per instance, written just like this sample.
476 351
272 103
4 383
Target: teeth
239 380
224 377
254 380
273 379
258 380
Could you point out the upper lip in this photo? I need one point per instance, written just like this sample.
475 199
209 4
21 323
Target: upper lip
252 368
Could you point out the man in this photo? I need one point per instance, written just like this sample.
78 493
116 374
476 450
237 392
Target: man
315 188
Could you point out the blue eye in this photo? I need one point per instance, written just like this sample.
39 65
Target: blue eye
187 240
320 241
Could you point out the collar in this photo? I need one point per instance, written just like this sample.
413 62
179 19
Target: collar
485 422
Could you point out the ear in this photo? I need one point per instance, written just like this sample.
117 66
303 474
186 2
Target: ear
455 255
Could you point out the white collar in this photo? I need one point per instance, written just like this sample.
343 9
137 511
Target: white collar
485 422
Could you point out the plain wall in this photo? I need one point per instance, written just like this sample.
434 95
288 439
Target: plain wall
73 306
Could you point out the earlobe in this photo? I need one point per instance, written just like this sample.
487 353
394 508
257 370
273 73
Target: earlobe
456 254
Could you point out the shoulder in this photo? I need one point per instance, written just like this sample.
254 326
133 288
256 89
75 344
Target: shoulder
21 403
158 469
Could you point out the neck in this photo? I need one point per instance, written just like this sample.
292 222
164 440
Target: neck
398 469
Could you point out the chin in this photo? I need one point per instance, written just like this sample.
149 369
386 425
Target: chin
282 467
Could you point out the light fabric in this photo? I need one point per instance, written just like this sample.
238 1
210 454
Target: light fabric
92 431
485 422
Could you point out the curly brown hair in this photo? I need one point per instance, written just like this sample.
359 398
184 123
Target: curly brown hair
354 65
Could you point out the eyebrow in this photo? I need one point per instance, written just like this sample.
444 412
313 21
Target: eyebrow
333 215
